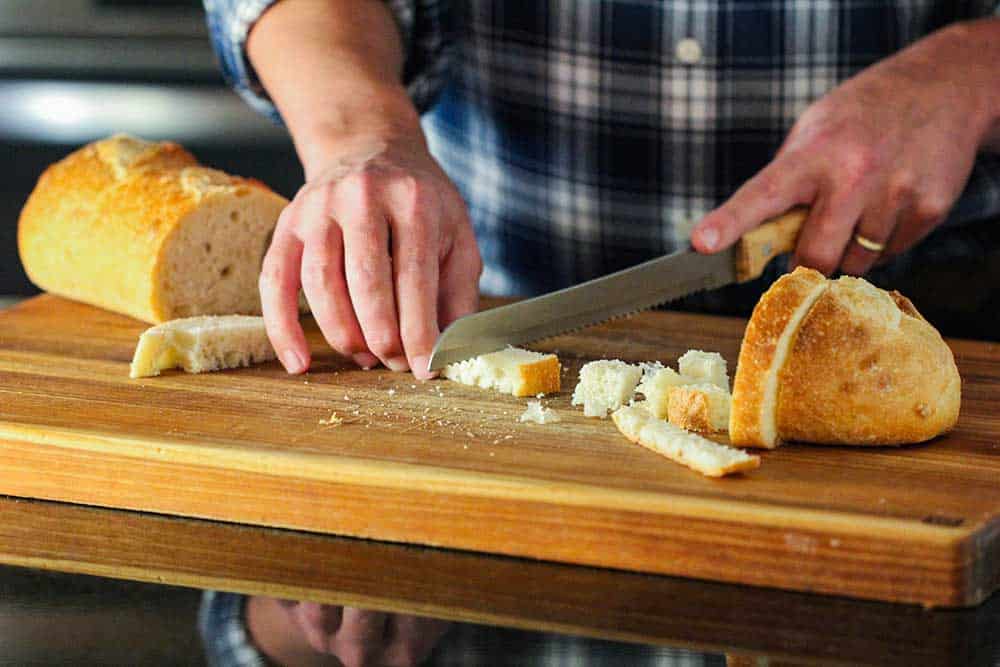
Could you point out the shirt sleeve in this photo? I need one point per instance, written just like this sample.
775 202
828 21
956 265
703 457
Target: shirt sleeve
425 27
224 633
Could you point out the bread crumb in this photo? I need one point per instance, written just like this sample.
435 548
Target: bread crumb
538 414
334 420
392 392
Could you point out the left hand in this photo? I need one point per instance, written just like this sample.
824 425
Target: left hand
884 155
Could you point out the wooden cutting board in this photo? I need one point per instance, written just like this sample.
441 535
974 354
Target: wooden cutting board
441 464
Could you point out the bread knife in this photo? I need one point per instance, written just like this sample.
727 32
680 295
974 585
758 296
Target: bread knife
618 294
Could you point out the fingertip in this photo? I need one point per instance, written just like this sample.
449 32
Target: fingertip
420 370
366 360
705 239
294 362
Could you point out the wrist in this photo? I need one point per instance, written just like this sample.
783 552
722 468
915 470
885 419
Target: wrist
972 48
380 116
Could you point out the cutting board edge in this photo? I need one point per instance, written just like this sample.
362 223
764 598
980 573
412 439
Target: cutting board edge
903 570
380 473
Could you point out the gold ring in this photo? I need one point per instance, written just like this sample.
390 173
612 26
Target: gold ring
868 244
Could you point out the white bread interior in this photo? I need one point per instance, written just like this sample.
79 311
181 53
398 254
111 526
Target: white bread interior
709 458
537 413
656 385
511 371
200 344
704 367
605 386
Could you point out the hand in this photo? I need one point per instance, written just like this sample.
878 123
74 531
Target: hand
884 155
309 633
381 244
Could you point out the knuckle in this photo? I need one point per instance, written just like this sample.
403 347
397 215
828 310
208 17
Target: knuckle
902 187
932 209
768 185
359 189
857 162
317 273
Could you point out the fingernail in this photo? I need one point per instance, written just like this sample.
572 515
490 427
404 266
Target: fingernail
365 360
292 362
397 364
419 367
710 238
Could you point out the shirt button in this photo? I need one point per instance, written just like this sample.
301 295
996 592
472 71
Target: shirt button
688 51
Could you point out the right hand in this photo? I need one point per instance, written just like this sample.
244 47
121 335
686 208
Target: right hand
380 242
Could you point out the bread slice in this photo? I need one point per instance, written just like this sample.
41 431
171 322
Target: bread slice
200 344
141 228
707 367
605 385
843 363
709 458
511 371
769 335
702 407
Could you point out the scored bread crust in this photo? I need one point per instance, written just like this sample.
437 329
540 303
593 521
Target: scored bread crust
751 420
866 369
120 224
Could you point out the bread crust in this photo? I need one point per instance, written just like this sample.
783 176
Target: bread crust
758 353
540 377
98 223
866 369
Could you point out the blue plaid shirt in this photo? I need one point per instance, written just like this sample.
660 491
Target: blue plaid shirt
588 136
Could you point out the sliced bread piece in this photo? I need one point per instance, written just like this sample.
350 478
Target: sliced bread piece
769 335
605 385
511 371
200 344
702 407
704 367
141 228
656 386
709 458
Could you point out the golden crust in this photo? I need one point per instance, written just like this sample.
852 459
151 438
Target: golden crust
95 227
867 369
758 353
689 409
863 367
540 377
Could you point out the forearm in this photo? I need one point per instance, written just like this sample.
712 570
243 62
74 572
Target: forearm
333 69
976 50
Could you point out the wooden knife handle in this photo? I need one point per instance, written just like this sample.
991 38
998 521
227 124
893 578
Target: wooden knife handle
774 237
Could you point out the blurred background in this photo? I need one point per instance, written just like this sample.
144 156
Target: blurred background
72 71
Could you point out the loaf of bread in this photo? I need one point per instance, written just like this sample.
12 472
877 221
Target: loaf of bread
840 362
709 458
511 371
200 344
141 228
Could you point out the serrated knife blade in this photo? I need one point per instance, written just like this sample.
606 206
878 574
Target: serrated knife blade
622 293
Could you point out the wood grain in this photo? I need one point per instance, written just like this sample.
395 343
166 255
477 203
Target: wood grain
441 464
495 590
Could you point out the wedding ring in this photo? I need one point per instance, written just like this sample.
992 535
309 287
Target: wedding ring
868 244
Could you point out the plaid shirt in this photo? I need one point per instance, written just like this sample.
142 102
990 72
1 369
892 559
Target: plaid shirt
589 136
